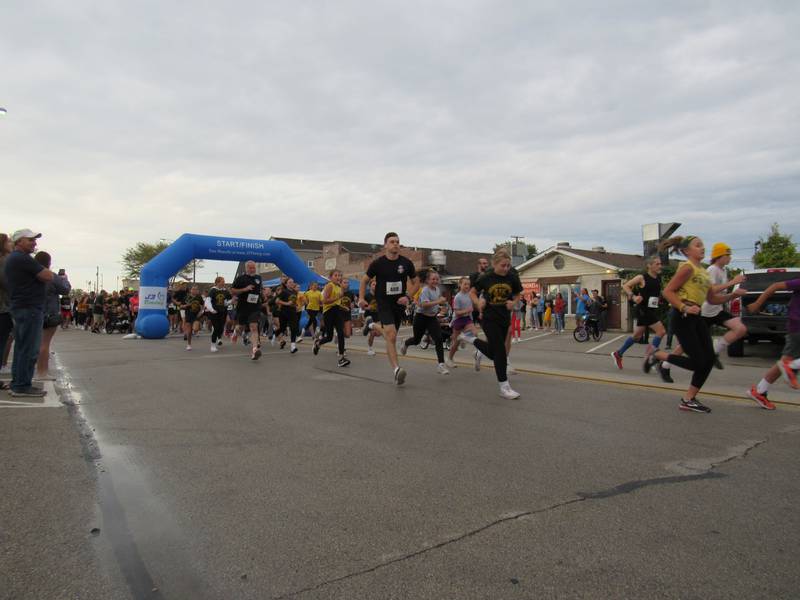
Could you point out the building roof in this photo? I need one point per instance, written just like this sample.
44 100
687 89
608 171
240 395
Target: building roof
608 260
317 245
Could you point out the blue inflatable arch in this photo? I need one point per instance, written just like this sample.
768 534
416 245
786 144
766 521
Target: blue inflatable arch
152 322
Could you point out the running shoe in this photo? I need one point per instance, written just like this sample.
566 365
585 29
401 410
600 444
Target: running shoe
478 357
665 374
449 364
28 392
367 323
717 363
188 348
506 391
693 405
441 369
399 375
315 349
219 342
214 348
617 359
648 363
293 350
760 398
370 352
343 362
467 336
789 374
256 353
403 347
282 345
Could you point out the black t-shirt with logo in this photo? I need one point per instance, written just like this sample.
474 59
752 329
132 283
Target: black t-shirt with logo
219 296
391 277
288 295
194 304
248 301
497 290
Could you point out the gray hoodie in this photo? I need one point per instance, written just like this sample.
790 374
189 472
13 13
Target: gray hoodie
53 290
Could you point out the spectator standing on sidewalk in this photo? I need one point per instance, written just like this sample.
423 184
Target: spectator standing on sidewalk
53 290
6 324
26 284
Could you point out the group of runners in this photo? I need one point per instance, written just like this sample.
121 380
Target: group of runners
486 302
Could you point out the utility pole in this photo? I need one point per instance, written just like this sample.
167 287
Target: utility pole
97 280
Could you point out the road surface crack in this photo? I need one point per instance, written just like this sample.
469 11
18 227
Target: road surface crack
691 470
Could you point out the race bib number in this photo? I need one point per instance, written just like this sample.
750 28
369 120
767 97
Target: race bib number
394 288
252 298
652 302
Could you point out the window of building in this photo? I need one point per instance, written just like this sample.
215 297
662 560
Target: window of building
310 264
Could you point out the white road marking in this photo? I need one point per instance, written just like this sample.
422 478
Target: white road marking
611 341
536 337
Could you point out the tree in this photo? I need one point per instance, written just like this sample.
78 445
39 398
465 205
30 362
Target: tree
778 250
135 258
531 248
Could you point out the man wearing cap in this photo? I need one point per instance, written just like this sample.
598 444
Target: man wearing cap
26 285
715 314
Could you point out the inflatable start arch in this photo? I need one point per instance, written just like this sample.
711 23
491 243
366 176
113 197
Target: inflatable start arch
152 322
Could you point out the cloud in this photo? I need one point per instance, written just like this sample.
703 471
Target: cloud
455 123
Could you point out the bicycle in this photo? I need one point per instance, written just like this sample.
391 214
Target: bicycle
589 328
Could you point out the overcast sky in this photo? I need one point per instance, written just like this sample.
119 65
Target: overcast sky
456 124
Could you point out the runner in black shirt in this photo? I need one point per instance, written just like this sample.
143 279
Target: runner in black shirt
217 307
287 303
247 288
395 284
500 289
192 307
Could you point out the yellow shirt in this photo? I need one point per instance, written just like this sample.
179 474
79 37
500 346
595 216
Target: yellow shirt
301 301
334 291
696 287
314 298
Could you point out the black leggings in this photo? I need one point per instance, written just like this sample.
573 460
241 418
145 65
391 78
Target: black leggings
423 323
312 320
495 348
217 325
695 339
291 321
333 320
6 325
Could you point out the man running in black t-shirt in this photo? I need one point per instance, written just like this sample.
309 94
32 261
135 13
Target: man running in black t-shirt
247 288
395 284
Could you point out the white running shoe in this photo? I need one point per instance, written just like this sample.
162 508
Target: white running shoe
370 352
399 375
510 370
403 347
5 370
188 348
219 342
214 348
467 336
442 369
478 357
506 391
449 363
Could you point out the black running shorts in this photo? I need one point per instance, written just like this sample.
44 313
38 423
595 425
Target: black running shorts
391 313
247 317
646 316
719 319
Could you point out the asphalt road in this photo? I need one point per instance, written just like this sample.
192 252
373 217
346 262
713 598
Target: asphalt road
211 476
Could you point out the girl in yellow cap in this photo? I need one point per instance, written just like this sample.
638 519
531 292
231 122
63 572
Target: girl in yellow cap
686 292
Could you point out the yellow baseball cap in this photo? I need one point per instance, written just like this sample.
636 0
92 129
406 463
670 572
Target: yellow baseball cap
720 249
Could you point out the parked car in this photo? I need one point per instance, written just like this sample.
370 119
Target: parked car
770 323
